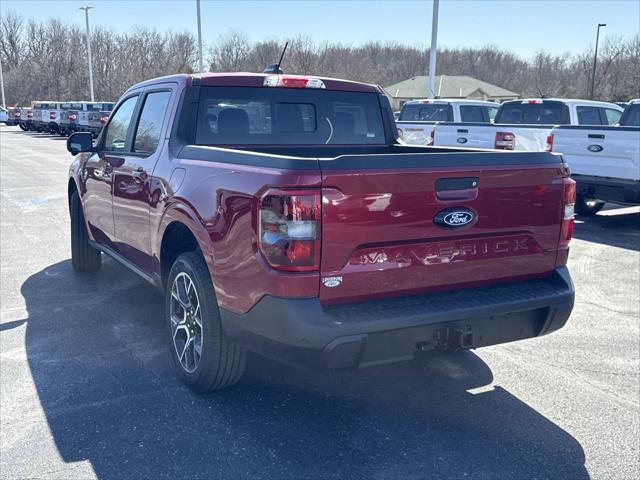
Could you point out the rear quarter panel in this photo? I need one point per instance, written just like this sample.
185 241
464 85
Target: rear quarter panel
218 201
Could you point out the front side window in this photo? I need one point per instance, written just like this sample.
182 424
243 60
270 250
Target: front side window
492 112
613 116
148 131
588 116
281 116
116 136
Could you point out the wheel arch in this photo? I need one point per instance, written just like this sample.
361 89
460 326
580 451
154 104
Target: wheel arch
71 188
181 231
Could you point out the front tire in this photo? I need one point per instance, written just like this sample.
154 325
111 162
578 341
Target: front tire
84 258
204 358
588 207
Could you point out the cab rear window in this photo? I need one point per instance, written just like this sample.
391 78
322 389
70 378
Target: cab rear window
436 112
631 116
532 114
287 116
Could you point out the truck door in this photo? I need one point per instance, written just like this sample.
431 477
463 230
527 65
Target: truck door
98 174
133 192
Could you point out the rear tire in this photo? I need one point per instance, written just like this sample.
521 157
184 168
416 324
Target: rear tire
84 258
588 207
193 320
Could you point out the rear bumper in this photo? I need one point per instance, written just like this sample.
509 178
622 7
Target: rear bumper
304 332
616 190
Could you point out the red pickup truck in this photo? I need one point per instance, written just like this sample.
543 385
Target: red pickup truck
280 215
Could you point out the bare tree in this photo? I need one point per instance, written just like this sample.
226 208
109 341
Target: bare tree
46 60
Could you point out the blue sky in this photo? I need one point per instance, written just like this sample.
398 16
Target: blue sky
521 26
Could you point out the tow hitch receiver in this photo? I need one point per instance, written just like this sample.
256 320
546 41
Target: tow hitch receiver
453 339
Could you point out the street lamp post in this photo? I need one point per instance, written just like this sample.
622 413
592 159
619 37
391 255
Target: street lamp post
4 105
86 17
200 62
433 49
595 59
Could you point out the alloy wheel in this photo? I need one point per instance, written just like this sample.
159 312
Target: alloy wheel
186 322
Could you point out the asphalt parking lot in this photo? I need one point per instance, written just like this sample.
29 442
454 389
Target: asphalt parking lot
88 391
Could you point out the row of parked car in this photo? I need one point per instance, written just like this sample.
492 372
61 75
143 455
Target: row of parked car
599 140
62 118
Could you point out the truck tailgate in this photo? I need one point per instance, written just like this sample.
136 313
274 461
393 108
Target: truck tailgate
472 135
612 152
415 133
383 231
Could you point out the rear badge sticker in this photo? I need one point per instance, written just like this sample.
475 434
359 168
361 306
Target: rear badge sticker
331 282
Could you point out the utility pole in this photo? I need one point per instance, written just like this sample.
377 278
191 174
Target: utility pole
86 17
432 50
595 59
200 61
4 105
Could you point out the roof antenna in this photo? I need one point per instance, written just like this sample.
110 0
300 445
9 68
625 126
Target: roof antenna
275 67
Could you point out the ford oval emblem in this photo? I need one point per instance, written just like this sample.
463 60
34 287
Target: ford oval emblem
595 148
454 217
462 140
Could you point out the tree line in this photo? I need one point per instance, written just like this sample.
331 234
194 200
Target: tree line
47 60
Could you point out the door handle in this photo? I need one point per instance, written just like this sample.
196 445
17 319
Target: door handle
115 162
139 174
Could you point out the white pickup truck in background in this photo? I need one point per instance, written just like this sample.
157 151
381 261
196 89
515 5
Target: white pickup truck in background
526 124
417 117
604 161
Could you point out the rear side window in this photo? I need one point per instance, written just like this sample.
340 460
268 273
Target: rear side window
612 116
588 116
531 113
471 113
148 130
286 116
435 112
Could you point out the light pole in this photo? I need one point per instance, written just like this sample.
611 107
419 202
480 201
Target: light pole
200 62
595 59
4 105
432 50
86 17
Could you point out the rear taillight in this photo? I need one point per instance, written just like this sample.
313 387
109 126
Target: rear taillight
29 114
505 141
548 147
566 233
52 115
289 81
16 114
289 229
103 120
72 117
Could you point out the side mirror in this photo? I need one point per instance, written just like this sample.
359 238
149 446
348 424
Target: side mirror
80 142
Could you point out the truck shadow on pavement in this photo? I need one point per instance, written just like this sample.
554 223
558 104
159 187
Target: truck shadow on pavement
99 358
616 229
